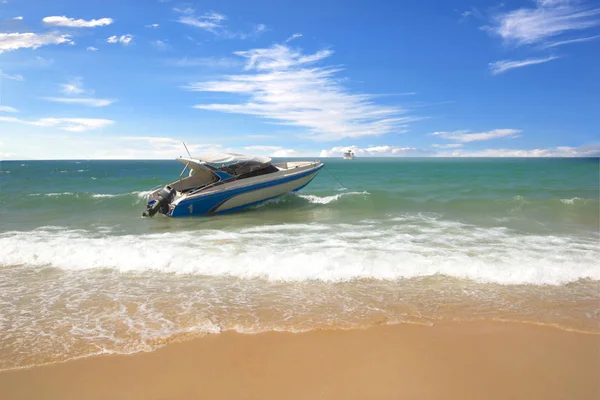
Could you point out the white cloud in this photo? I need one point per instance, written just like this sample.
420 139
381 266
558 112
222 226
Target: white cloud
294 36
92 48
123 39
210 22
15 77
447 146
466 137
160 44
43 62
284 86
548 19
215 23
66 124
8 109
263 148
272 151
378 151
73 87
152 26
256 31
396 151
284 153
499 67
212 62
187 10
15 41
561 151
163 147
91 102
563 42
18 18
76 23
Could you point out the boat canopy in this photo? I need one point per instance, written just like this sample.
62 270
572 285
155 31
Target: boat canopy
223 159
230 163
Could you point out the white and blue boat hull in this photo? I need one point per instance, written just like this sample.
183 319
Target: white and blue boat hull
241 194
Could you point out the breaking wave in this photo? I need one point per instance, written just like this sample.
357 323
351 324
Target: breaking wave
328 199
407 246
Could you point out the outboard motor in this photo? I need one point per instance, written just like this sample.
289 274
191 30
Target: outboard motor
165 195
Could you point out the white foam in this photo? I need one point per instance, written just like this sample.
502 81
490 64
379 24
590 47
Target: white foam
413 246
328 199
142 195
570 201
60 194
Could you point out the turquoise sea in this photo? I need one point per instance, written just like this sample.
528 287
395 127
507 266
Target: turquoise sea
369 241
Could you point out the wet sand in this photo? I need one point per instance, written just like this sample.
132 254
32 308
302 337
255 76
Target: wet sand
478 360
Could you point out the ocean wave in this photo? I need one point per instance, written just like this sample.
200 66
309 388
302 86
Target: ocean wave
55 194
142 194
412 246
328 199
138 194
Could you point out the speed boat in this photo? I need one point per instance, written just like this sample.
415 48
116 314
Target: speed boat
225 182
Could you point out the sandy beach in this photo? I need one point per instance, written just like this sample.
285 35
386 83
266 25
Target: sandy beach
457 360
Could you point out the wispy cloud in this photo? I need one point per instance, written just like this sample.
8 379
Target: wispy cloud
66 124
8 109
123 39
73 87
561 151
378 151
548 19
18 18
563 42
499 67
15 41
210 22
447 146
13 77
472 12
159 44
76 23
92 48
152 26
285 86
168 147
466 137
294 36
272 151
255 32
91 102
212 62
214 23
397 151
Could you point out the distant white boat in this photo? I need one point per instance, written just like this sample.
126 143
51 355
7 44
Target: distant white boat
349 155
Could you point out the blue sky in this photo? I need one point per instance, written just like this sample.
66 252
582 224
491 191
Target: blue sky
134 78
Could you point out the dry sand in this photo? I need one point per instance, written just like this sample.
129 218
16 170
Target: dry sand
478 360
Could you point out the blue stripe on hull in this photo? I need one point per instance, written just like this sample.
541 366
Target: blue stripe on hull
205 204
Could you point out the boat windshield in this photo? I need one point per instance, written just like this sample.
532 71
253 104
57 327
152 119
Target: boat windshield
230 163
242 168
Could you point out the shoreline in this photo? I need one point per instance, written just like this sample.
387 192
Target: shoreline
446 360
184 337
